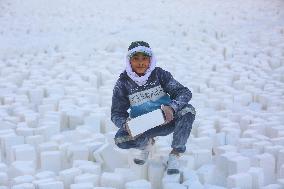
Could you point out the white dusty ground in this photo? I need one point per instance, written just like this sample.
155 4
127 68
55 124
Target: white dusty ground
59 60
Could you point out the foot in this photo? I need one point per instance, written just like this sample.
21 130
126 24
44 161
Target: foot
142 157
173 164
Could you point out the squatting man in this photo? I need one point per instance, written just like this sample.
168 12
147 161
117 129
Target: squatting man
142 87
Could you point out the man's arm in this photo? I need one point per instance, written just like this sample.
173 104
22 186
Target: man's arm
179 94
120 105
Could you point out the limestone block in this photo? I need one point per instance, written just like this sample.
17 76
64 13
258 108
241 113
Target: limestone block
93 121
241 180
259 146
45 175
19 168
51 161
4 178
34 140
138 184
105 156
23 186
257 175
82 186
67 176
127 174
225 148
23 179
201 157
222 161
174 185
49 185
155 173
238 164
272 186
203 142
206 173
77 152
112 180
267 162
88 178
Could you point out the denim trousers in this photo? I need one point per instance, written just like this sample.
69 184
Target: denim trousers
180 126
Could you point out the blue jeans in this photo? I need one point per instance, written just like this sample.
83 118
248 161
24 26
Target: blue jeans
180 126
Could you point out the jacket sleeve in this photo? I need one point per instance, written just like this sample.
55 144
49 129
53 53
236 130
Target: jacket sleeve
179 94
120 105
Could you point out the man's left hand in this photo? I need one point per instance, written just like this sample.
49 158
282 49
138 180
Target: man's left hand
169 113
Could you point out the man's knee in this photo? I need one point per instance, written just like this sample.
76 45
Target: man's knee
122 145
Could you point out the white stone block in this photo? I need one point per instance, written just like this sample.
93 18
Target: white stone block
34 140
193 185
224 149
25 131
23 179
272 186
49 185
112 180
7 142
47 180
222 161
77 152
219 139
19 168
210 186
23 186
36 95
241 180
257 177
92 147
281 172
140 170
267 162
96 168
45 175
31 119
138 184
175 178
93 121
201 157
75 118
127 174
105 154
203 142
23 152
186 162
174 185
245 143
155 173
259 146
3 167
206 173
51 161
239 164
3 178
68 175
232 135
190 175
88 178
47 146
82 186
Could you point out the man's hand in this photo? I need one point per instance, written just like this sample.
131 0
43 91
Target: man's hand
169 113
127 128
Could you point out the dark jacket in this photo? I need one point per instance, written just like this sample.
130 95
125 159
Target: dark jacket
161 88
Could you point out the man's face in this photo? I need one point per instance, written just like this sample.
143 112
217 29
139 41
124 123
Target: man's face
140 63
